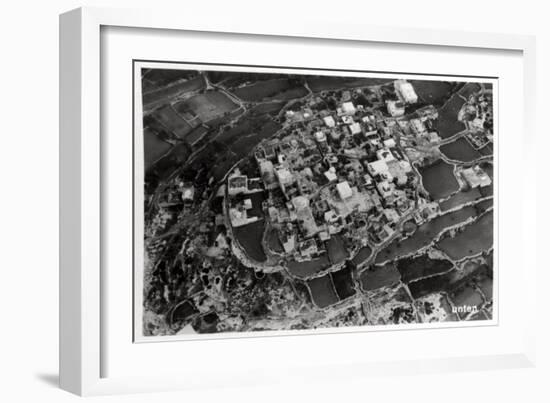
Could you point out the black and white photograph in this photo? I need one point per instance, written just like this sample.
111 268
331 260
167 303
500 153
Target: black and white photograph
246 202
287 201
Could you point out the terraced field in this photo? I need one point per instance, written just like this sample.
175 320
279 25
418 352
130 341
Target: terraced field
460 150
447 124
424 235
473 239
439 180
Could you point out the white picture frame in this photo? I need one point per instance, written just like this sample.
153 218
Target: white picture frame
82 173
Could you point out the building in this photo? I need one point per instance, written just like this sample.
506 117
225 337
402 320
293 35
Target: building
221 241
289 243
396 170
368 118
433 137
369 183
304 216
354 166
259 154
300 202
372 135
344 190
355 128
348 120
395 108
386 189
284 176
331 175
378 167
406 166
268 174
417 126
188 193
406 92
476 177
391 215
270 151
330 217
320 137
273 214
239 217
254 185
308 248
385 154
477 123
334 222
348 108
329 121
237 184
358 201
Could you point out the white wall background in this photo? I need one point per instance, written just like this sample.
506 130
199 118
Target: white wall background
29 201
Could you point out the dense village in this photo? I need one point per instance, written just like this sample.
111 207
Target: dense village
324 223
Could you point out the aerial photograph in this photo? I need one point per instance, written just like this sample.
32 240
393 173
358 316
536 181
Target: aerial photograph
290 202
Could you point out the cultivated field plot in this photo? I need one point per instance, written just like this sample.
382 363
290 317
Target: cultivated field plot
447 124
439 180
425 234
207 106
173 122
469 89
280 89
379 277
328 83
363 254
432 92
250 238
472 240
412 269
308 268
155 147
322 291
336 250
460 198
343 283
155 79
159 95
460 150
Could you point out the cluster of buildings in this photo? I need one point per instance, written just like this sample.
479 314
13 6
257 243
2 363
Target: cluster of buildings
478 116
405 95
338 172
240 188
475 177
420 129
